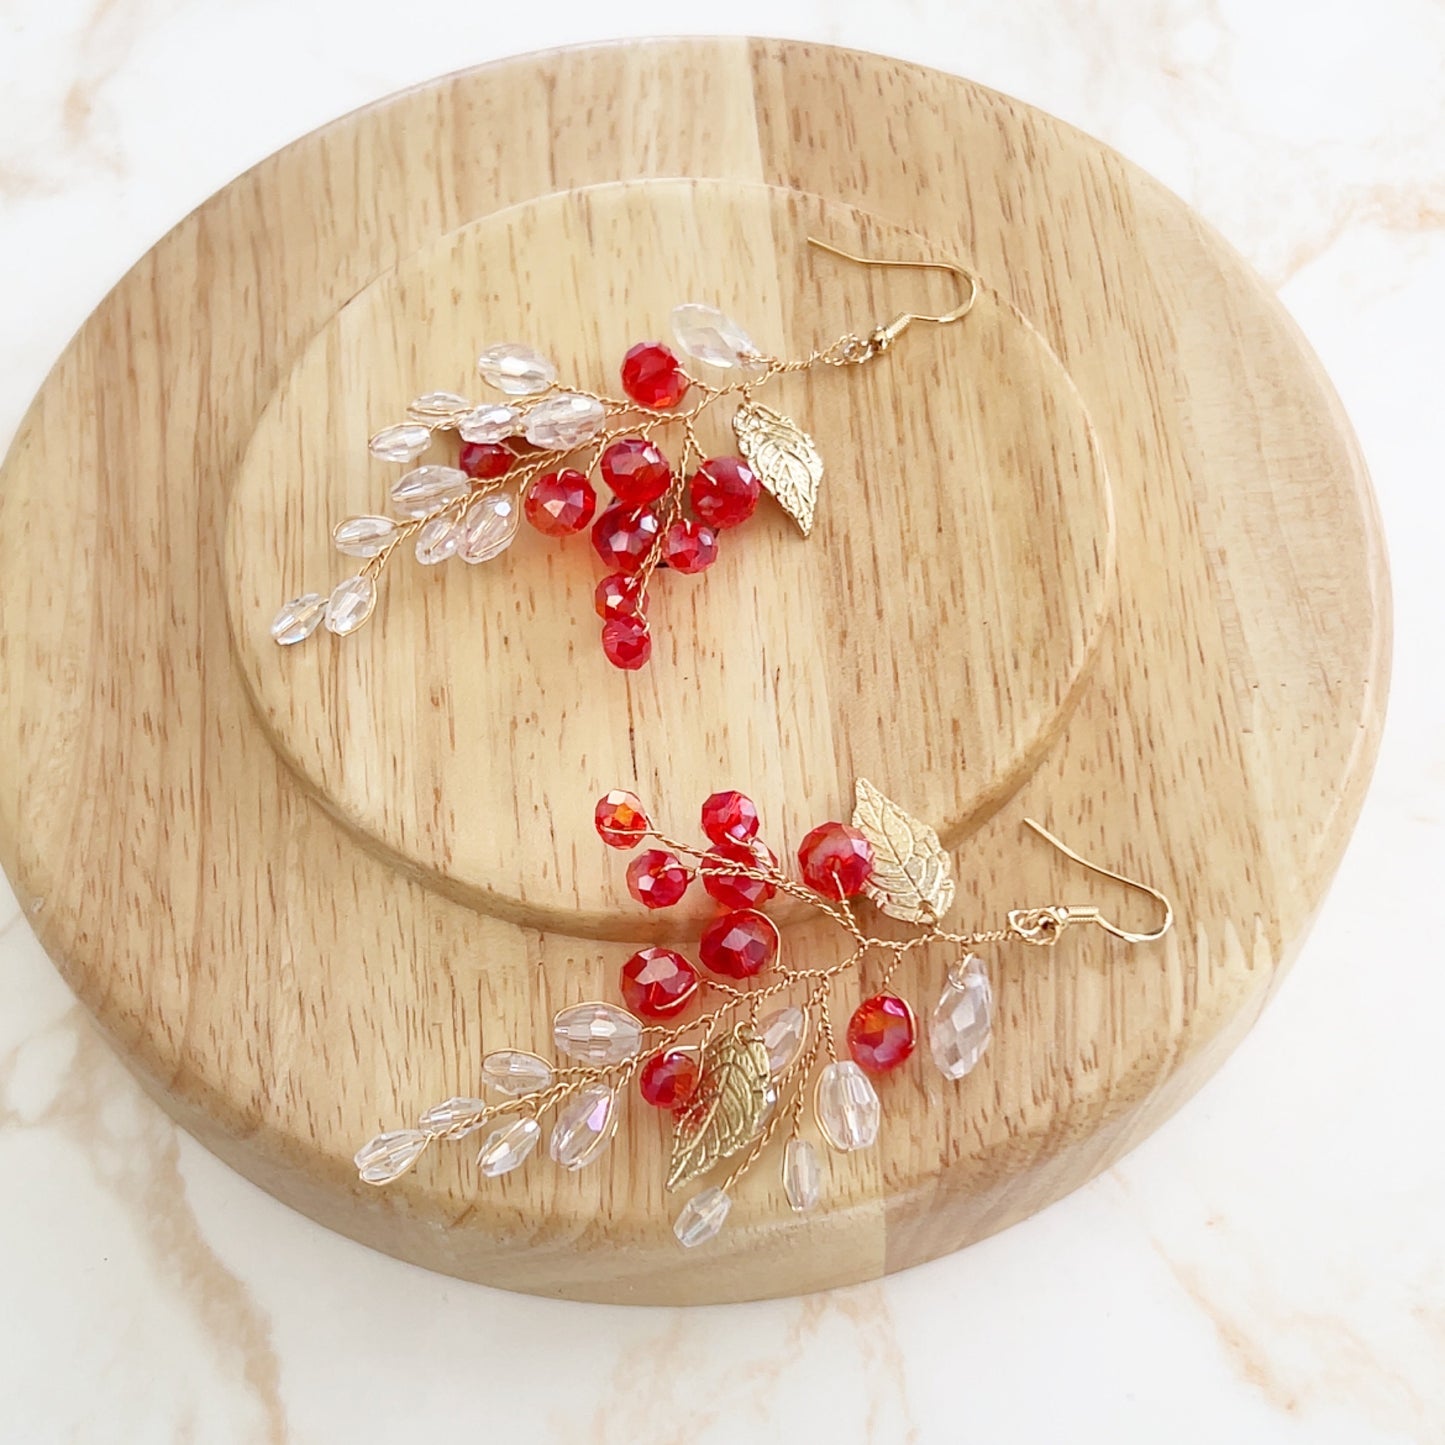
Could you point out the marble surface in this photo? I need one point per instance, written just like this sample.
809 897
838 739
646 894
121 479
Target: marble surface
1269 1267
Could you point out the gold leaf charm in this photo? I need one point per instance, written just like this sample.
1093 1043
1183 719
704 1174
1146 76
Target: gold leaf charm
912 875
727 1109
783 457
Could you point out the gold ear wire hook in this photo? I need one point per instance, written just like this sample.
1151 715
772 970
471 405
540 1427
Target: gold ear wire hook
1043 925
884 336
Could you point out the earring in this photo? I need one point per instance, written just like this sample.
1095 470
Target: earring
745 1067
536 454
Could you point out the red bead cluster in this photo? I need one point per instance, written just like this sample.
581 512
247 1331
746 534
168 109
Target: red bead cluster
741 943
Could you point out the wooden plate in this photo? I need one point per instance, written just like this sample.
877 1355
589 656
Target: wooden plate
1104 553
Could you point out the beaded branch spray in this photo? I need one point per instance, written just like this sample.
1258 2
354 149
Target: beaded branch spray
537 454
742 1069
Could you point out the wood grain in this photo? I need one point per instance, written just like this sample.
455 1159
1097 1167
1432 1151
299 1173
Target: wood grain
1105 554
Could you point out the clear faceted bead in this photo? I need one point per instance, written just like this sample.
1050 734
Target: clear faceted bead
513 1072
350 604
363 536
491 422
488 527
404 442
782 1033
441 408
453 1115
597 1033
563 422
584 1127
802 1175
389 1156
437 540
516 369
710 336
424 489
701 1218
846 1105
298 619
506 1148
962 1021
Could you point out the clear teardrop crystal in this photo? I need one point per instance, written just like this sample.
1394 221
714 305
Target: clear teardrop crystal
508 1147
584 1127
701 1218
597 1033
389 1156
962 1022
513 1073
563 422
363 536
770 1102
404 442
710 336
490 422
425 489
488 528
782 1033
350 604
298 619
437 540
516 369
451 1115
802 1175
441 408
846 1106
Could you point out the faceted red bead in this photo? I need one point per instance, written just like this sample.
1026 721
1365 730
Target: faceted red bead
730 890
689 546
739 944
881 1033
656 878
484 460
627 642
730 817
623 537
657 982
724 492
669 1079
560 503
620 819
653 377
618 595
635 470
836 860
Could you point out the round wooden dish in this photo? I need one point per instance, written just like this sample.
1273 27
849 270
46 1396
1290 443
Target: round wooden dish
1105 553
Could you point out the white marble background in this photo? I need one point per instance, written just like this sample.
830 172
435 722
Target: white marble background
1270 1267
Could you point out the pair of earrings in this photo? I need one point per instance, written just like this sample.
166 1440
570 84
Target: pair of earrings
539 450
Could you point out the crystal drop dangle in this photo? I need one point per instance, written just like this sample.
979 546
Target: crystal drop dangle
437 540
389 1156
508 1147
350 604
584 1127
514 1072
701 1218
710 336
490 422
298 619
846 1106
515 369
802 1175
363 536
448 1116
962 1022
488 527
440 408
425 489
597 1033
563 422
404 442
782 1034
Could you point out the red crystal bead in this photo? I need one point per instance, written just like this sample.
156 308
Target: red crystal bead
724 492
620 820
669 1079
560 503
730 817
653 377
635 470
484 460
881 1033
740 944
656 878
836 860
689 546
623 537
618 595
730 890
657 982
627 642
